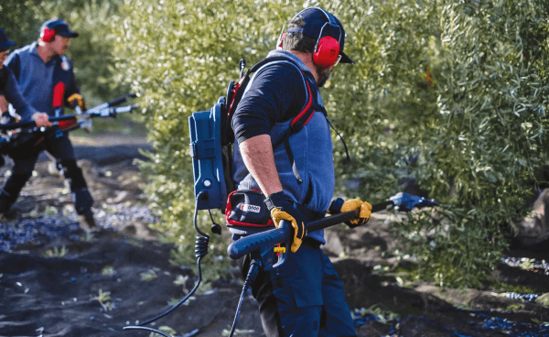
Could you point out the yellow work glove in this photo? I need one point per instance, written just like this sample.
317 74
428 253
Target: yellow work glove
282 209
77 100
365 210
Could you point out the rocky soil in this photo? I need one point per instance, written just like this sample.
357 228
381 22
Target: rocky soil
56 280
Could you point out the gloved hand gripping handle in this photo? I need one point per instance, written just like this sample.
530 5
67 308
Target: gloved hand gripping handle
11 126
282 234
103 110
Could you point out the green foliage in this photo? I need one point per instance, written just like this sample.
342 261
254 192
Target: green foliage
485 138
511 287
148 275
104 299
174 301
377 103
513 307
182 281
477 128
543 300
56 252
382 316
108 271
527 263
181 56
165 329
21 20
538 321
227 332
462 87
87 237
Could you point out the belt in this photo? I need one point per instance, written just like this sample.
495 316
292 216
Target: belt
311 242
310 214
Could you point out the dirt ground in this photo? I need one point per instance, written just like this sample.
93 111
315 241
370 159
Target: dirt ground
57 281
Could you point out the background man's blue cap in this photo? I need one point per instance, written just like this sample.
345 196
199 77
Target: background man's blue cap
318 20
4 42
60 27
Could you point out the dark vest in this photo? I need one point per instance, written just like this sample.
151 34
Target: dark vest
4 75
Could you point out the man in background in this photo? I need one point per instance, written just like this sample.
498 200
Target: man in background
46 79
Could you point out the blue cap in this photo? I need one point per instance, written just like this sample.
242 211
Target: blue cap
60 27
319 22
4 42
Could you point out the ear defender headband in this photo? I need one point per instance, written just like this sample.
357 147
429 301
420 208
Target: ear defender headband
48 34
327 47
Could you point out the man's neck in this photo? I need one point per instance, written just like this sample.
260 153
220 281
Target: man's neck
45 53
307 59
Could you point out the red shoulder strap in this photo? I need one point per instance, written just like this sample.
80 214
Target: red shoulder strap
305 115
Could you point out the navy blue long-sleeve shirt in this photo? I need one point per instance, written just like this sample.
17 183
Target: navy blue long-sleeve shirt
277 93
36 78
10 91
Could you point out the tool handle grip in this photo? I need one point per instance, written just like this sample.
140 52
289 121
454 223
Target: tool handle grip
282 234
21 125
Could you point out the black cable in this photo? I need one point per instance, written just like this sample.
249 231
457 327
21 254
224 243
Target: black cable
342 140
211 216
252 273
201 250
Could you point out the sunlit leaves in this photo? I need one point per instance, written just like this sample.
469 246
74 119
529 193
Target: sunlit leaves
181 56
462 87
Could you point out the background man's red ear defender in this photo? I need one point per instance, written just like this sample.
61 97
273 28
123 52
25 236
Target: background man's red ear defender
327 52
47 34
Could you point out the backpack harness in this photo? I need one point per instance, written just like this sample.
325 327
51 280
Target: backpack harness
212 138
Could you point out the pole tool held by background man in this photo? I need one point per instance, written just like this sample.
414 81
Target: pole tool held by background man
45 76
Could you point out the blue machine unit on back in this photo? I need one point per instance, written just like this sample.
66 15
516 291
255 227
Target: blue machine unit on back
206 152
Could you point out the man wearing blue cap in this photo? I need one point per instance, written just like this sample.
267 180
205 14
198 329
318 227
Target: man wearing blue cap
46 80
304 296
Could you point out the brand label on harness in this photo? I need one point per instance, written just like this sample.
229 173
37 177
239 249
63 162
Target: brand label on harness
250 208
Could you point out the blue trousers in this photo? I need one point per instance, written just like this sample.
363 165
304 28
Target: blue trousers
303 297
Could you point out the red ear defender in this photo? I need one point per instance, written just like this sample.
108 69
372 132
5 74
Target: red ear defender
47 34
327 52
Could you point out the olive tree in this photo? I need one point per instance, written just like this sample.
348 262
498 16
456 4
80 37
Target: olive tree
453 94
